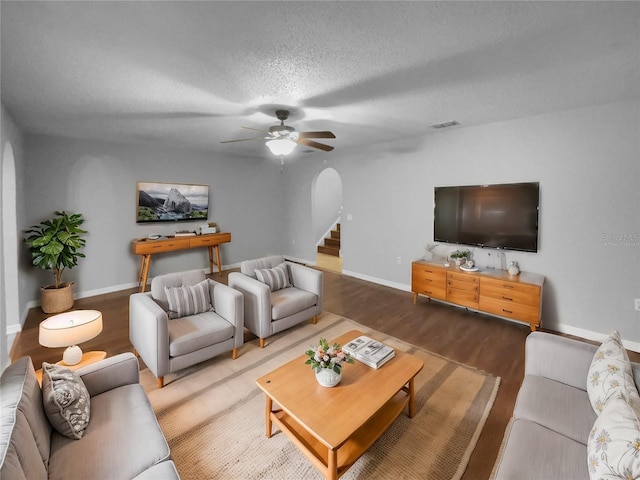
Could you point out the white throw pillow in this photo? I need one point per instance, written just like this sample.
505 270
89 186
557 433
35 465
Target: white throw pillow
613 447
188 299
609 373
276 278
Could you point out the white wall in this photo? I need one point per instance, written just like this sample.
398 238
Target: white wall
588 164
99 180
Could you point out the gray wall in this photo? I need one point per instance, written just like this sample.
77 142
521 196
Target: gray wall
11 302
99 180
588 164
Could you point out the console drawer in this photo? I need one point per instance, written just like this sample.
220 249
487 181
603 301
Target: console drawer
215 239
155 246
517 311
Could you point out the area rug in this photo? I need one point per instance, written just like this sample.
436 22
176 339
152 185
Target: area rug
213 415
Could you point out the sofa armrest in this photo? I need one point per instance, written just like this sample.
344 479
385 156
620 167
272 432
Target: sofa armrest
308 279
229 304
257 302
558 358
110 373
149 332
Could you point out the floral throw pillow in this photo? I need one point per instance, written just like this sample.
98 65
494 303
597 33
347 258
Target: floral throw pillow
613 447
276 278
610 373
66 400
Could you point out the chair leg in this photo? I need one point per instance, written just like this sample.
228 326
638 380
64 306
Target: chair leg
135 352
314 320
160 382
262 343
234 353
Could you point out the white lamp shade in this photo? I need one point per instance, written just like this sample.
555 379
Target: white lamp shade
281 146
70 328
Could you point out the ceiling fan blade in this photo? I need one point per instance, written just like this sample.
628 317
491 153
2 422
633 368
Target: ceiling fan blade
311 143
242 140
316 135
255 129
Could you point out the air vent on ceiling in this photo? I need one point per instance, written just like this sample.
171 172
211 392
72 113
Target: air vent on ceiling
452 123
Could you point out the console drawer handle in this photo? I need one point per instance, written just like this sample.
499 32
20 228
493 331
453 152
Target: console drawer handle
507 286
507 311
507 298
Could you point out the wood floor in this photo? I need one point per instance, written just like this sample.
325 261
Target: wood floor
490 344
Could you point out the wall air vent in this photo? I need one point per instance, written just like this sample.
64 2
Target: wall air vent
452 123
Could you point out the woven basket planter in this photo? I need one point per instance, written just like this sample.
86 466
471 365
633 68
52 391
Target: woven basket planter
56 300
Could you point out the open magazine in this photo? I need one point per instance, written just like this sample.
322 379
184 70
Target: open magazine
369 351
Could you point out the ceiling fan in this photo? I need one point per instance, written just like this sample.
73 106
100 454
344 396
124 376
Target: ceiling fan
282 139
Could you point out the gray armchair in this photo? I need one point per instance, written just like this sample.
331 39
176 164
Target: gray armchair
167 344
267 312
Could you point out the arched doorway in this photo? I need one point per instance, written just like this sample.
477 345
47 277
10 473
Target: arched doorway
9 309
326 217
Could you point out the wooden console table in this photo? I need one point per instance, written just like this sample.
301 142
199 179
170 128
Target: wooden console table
489 291
146 248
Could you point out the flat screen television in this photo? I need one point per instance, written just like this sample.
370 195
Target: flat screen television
493 216
171 202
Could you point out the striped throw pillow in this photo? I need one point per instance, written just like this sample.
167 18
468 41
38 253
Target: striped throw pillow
188 299
276 278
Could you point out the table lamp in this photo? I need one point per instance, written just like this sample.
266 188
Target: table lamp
68 329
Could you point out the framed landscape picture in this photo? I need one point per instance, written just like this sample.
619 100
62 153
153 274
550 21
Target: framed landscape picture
171 202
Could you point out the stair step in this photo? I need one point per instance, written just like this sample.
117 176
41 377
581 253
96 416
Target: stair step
332 242
329 250
335 234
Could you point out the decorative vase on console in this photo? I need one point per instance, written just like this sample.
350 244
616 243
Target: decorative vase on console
513 269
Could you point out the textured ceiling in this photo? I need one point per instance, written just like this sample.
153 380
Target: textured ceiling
193 73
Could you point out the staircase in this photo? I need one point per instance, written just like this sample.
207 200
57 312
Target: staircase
332 243
329 253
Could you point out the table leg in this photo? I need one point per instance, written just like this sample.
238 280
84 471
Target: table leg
333 465
268 415
210 248
144 271
412 406
218 262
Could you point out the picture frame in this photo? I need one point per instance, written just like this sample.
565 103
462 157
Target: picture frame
171 202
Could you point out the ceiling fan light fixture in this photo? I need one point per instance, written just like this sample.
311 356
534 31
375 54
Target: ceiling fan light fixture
281 146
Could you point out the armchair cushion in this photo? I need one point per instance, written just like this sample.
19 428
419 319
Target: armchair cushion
276 278
190 277
291 300
193 332
188 299
66 400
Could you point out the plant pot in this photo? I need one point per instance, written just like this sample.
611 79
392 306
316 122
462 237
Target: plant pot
56 300
327 377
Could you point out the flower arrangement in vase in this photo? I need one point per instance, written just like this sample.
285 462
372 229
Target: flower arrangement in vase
327 362
459 255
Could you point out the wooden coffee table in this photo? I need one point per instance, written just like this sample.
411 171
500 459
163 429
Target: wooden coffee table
333 427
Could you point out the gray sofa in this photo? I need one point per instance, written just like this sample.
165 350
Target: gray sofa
552 419
122 441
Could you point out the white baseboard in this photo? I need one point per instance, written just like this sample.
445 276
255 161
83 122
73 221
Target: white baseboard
379 281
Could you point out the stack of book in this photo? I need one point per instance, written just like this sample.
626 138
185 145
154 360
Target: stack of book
369 351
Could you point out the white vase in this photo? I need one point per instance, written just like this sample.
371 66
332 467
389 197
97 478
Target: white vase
327 377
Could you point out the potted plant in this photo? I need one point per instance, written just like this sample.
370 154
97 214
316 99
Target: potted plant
327 362
55 245
458 255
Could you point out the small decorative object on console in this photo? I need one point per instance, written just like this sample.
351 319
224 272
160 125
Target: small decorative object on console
513 268
459 255
327 362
